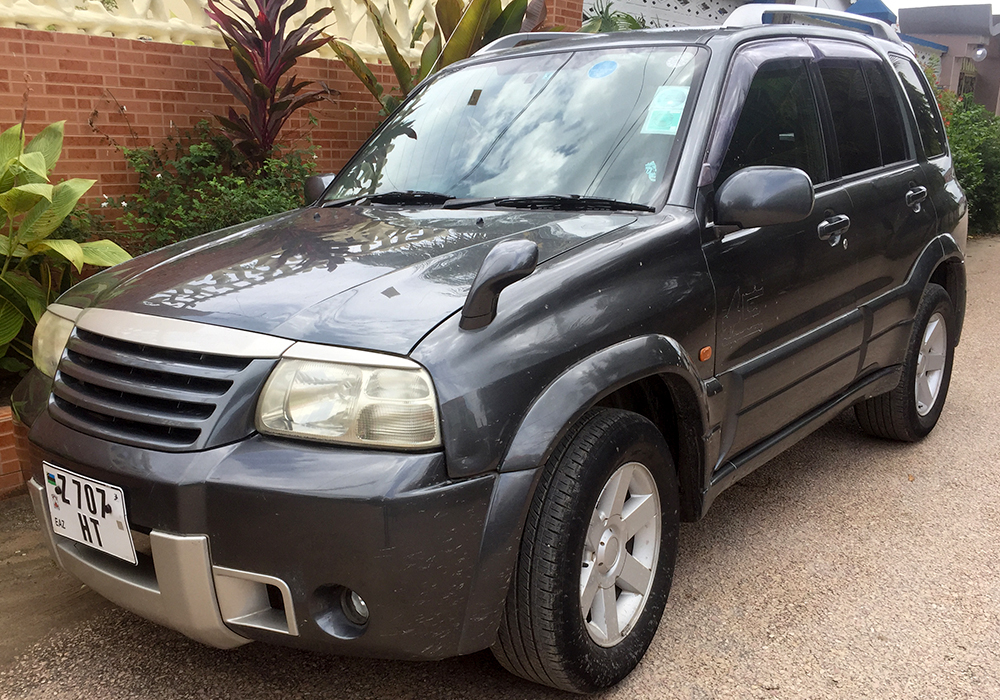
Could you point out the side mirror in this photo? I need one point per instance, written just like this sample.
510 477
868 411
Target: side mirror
316 185
764 195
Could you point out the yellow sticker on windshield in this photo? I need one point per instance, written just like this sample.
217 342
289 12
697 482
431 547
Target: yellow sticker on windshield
664 115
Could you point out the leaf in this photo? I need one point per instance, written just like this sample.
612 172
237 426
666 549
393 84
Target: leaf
467 35
399 65
11 144
103 253
70 250
65 195
429 56
11 321
19 251
32 217
350 58
48 142
449 14
24 293
509 21
13 365
20 199
534 15
493 11
34 163
418 31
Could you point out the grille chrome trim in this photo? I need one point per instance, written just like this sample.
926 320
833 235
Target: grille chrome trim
178 334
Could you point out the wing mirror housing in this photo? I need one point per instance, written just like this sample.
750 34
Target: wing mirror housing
764 195
315 186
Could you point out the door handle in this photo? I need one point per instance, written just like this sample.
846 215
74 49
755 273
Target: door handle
833 227
915 196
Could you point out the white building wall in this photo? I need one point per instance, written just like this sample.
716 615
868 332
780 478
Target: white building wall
693 13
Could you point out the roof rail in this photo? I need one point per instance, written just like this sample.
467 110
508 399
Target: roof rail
525 38
754 14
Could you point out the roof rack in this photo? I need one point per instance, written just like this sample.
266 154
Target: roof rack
756 14
524 38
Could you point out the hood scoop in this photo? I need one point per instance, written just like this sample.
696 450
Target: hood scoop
506 263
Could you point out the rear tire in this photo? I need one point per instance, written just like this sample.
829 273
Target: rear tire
911 410
596 559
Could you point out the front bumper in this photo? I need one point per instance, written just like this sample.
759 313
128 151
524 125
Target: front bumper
231 527
177 591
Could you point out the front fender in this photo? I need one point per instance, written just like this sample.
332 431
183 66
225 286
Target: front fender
556 409
581 386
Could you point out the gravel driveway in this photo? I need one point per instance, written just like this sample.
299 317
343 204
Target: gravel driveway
846 568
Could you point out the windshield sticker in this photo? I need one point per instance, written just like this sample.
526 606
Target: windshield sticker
602 69
678 60
666 109
474 99
651 170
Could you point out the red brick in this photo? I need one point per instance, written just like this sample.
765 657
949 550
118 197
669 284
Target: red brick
9 482
74 78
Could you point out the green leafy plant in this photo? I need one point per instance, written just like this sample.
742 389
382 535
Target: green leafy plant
198 181
459 32
264 50
974 136
602 18
35 266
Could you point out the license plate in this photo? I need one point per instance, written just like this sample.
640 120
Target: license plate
89 512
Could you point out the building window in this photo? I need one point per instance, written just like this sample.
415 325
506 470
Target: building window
967 78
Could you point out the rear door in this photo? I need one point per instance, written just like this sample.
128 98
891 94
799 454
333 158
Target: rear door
873 157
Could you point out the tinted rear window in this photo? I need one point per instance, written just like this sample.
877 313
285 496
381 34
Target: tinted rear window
853 118
924 107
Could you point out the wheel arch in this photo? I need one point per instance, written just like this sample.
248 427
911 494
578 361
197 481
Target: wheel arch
950 274
653 369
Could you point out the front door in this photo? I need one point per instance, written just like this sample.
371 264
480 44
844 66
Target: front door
788 330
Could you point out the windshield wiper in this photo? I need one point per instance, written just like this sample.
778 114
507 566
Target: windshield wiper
407 197
568 202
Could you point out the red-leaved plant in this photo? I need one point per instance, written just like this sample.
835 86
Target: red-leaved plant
263 53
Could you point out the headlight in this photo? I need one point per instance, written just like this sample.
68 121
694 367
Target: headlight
352 404
51 336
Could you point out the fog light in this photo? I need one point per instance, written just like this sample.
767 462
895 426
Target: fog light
355 608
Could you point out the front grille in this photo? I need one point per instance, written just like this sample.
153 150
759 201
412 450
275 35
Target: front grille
172 400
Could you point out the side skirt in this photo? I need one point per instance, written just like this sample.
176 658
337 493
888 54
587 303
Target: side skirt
747 461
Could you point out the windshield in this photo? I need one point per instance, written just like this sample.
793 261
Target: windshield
594 123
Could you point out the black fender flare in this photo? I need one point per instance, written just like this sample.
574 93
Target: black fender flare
550 416
571 394
953 256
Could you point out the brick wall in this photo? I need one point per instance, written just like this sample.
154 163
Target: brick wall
160 86
163 85
11 477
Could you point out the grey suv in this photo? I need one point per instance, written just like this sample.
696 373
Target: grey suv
569 292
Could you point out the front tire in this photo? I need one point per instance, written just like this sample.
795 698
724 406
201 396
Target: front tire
597 556
911 410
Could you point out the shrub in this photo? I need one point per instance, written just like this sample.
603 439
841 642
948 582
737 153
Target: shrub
196 182
974 136
264 50
36 264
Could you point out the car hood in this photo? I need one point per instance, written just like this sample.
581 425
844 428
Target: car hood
368 277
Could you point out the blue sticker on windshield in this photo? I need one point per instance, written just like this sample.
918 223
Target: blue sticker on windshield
602 69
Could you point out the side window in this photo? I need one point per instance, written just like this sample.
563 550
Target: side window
924 107
853 118
779 124
888 117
